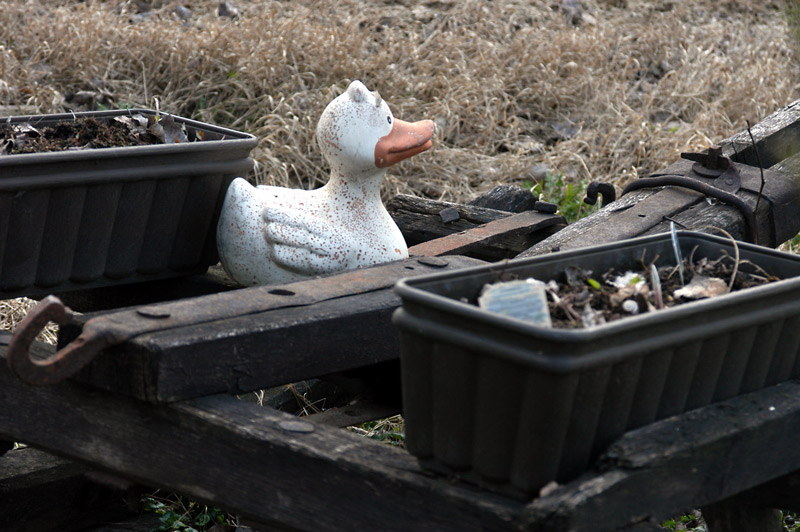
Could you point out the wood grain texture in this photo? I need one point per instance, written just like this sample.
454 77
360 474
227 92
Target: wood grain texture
224 343
777 138
581 232
421 222
694 459
268 466
496 240
41 493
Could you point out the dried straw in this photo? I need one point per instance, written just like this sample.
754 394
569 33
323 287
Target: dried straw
514 86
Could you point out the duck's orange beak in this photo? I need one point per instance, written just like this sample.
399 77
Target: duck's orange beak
404 140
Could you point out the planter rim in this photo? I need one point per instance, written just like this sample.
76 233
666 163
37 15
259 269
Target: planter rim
233 137
408 289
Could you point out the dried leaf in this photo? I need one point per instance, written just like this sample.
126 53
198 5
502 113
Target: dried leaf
701 287
168 131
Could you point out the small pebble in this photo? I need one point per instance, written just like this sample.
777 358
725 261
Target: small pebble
226 9
630 306
183 13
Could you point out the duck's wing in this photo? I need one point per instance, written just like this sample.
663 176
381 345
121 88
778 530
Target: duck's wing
305 243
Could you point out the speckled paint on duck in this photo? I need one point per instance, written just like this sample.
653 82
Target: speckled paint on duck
269 235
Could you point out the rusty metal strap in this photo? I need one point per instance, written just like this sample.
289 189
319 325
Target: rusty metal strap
779 192
516 224
706 189
117 327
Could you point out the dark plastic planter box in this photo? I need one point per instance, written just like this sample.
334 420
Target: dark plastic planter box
97 217
513 406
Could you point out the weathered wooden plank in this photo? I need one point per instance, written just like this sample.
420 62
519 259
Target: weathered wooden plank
304 335
267 466
682 462
630 216
40 492
421 221
419 218
277 469
707 218
508 236
777 138
789 166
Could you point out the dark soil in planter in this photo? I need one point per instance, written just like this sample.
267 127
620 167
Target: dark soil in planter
143 209
90 133
583 298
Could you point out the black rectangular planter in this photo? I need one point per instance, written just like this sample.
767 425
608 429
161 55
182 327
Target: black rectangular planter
513 406
96 217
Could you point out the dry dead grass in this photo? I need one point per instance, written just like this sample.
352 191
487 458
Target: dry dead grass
12 311
512 84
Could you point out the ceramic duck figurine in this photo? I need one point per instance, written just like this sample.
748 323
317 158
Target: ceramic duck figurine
271 235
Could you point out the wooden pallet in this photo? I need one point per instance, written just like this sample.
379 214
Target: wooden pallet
132 413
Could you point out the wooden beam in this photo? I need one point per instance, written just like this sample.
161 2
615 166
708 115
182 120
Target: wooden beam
515 232
267 466
283 471
419 219
254 338
479 232
777 138
683 462
40 493
630 216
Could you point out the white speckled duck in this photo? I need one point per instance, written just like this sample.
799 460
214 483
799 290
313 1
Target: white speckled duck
272 235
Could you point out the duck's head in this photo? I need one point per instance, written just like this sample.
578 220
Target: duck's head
359 136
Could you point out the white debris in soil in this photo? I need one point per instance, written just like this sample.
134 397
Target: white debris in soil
524 300
702 287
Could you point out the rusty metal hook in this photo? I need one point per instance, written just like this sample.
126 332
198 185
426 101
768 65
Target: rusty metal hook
58 366
606 190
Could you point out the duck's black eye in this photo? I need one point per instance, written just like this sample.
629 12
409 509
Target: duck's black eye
389 119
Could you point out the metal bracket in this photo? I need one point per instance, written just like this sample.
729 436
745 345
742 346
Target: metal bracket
716 176
119 326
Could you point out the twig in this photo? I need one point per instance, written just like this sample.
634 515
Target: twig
736 254
690 261
568 310
656 282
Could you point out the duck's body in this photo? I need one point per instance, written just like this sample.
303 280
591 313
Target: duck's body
270 235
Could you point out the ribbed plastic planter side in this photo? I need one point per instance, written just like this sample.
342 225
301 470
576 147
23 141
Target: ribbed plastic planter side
97 217
513 406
